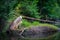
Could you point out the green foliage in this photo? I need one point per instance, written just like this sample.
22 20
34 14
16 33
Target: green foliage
53 8
36 23
11 9
49 9
29 8
5 8
25 23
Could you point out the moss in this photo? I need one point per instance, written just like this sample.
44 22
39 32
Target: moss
26 23
48 25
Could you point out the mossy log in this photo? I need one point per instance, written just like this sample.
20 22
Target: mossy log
43 31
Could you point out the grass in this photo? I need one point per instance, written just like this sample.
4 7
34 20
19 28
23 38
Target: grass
26 23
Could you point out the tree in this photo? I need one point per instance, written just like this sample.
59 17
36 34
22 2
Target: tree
5 8
29 8
50 8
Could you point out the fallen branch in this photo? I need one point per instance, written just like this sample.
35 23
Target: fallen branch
36 19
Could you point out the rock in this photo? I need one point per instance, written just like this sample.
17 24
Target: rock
38 32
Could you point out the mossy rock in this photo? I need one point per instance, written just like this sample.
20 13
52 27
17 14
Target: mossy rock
40 32
43 31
